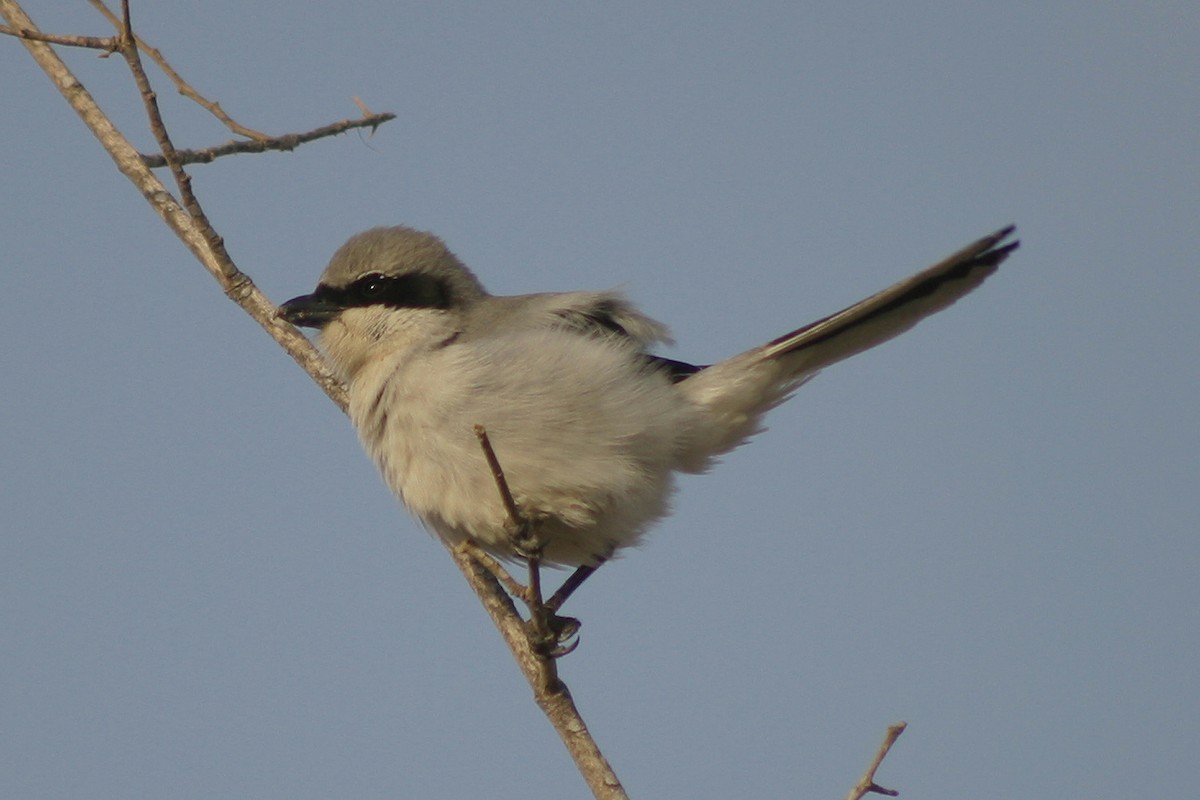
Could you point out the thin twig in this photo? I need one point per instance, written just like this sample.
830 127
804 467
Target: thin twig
109 44
129 51
129 162
866 784
183 87
285 142
260 142
510 505
233 280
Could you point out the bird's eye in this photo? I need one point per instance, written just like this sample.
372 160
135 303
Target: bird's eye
397 291
372 286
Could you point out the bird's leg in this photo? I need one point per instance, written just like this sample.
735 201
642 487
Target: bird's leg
572 583
549 633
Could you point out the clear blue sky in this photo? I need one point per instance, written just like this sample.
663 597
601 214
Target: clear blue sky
988 527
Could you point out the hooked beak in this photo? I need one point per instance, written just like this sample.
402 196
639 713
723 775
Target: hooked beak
309 311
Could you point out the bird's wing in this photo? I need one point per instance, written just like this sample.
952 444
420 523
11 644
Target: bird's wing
609 314
604 314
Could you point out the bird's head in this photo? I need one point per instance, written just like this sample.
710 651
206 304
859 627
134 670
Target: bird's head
391 287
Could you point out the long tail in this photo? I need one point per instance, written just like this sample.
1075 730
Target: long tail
739 390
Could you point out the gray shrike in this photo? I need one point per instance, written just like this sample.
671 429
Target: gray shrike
588 426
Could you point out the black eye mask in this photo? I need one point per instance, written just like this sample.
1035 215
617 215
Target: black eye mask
413 290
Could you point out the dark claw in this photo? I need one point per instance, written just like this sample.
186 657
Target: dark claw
563 628
563 649
558 638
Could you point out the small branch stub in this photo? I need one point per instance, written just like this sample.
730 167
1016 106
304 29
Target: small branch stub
510 504
107 44
867 784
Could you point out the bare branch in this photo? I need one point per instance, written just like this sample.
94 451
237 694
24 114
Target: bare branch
550 693
129 162
129 51
181 85
286 142
535 645
260 142
866 785
109 44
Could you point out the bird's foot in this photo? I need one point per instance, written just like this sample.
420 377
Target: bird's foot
551 635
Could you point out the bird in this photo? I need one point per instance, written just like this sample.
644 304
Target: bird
588 424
